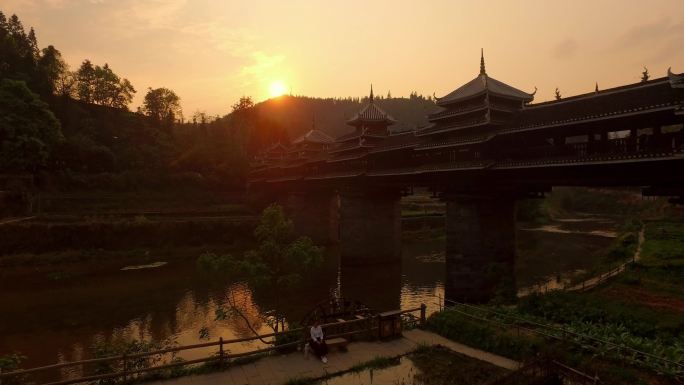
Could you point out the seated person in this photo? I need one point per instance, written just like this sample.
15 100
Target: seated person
317 341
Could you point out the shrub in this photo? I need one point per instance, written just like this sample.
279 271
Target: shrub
481 335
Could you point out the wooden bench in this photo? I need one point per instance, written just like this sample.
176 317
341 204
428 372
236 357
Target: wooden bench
340 343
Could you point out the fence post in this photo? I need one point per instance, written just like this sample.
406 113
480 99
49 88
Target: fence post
221 354
379 326
125 367
422 314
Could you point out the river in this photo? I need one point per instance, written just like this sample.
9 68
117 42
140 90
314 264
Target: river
53 321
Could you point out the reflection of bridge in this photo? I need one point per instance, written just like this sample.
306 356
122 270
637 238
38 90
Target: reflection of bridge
486 147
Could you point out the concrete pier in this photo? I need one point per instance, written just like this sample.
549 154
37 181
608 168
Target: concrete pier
314 214
480 248
370 227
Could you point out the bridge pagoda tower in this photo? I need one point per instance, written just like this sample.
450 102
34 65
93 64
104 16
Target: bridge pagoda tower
480 223
370 214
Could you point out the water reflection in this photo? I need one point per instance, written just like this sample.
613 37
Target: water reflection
56 321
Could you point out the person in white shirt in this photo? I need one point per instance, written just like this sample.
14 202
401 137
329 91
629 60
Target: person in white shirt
317 341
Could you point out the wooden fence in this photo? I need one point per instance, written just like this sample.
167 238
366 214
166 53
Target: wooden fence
220 358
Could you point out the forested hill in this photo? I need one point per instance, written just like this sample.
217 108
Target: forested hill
72 125
296 114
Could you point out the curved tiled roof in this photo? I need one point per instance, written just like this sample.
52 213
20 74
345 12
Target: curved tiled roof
481 84
314 136
371 113
654 94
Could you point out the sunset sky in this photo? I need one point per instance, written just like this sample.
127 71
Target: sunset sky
212 52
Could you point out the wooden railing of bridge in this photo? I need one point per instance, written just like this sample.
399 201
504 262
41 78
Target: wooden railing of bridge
221 357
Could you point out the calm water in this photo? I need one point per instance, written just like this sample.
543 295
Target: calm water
54 321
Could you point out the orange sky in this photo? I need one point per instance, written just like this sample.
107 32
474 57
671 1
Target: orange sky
211 52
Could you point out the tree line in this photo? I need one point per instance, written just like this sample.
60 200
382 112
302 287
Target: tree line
54 120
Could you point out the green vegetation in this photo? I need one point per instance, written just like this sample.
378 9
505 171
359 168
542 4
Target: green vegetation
28 129
120 233
440 366
86 127
601 201
483 335
280 261
377 363
9 363
621 250
641 310
374 364
532 211
120 347
664 246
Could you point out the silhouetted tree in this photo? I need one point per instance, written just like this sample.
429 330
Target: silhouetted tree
645 75
278 262
28 129
85 76
163 106
52 67
558 94
244 103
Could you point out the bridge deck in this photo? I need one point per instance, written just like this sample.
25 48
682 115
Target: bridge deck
277 370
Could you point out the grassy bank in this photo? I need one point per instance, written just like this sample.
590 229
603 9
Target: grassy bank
642 309
121 234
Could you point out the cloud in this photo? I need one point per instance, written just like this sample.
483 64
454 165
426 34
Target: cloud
656 41
262 63
648 33
565 49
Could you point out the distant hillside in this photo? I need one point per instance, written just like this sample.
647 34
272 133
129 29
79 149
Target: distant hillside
296 113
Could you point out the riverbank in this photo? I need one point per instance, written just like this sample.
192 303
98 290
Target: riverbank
629 329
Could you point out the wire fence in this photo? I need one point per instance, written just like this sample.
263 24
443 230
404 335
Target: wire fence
559 333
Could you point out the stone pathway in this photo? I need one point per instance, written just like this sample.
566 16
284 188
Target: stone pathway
278 369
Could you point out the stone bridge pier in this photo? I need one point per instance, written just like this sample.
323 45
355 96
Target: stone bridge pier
480 247
370 226
314 213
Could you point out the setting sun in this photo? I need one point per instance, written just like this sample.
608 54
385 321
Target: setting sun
277 88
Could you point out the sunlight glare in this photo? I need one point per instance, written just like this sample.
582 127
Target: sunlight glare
277 88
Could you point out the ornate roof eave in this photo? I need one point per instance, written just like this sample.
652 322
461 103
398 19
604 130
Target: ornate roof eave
676 80
373 114
356 119
528 98
605 92
440 101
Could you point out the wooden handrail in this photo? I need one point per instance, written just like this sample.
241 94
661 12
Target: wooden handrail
220 343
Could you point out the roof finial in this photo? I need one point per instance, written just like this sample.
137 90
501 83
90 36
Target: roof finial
371 94
482 64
